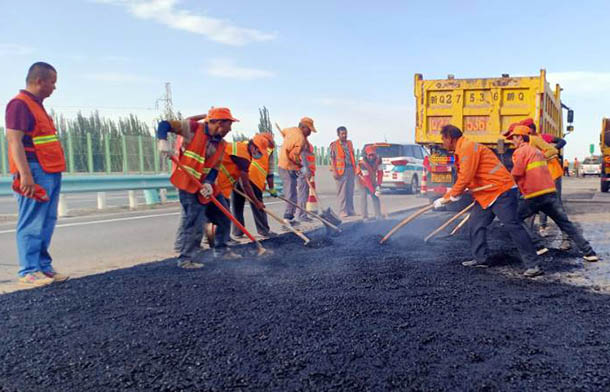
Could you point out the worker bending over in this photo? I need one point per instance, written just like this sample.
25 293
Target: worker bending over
478 166
538 188
201 157
261 174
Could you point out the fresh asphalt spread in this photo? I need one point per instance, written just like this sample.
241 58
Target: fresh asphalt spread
343 314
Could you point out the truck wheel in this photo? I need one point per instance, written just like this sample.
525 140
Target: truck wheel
605 186
414 187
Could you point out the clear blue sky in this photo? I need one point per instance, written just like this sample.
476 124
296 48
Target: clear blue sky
340 62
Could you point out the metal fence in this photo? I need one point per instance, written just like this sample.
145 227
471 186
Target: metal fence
119 154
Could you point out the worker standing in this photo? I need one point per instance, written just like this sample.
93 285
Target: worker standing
538 189
566 167
344 169
306 177
202 157
370 177
576 167
261 175
478 166
291 163
36 160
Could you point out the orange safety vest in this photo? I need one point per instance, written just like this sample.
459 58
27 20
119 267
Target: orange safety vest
259 170
339 162
47 146
367 173
554 165
311 160
229 172
537 180
195 162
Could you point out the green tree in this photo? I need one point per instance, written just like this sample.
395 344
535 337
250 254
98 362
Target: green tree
264 124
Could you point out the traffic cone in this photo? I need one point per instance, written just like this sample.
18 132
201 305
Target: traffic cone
312 202
424 182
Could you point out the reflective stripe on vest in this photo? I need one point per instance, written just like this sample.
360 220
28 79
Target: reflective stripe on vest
38 140
534 165
539 193
224 171
195 156
260 168
496 168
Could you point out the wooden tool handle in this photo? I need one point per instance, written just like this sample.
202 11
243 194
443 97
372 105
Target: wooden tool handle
459 226
444 225
405 221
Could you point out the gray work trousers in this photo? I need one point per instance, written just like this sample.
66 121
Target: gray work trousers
289 187
302 195
345 192
238 203
364 193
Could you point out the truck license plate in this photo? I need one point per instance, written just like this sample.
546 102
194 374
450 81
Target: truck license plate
444 177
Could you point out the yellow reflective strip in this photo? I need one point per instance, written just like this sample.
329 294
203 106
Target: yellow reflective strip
234 148
192 171
542 192
224 170
45 139
206 170
195 156
534 165
260 168
496 168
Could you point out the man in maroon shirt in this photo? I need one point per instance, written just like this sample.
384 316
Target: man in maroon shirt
28 130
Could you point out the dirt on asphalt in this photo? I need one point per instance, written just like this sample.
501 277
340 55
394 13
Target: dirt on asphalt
342 314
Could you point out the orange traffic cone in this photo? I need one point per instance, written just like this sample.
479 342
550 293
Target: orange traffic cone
424 182
312 201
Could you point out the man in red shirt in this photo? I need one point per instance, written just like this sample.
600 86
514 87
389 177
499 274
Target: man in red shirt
36 158
534 179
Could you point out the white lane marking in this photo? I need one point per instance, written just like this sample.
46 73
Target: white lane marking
103 221
110 220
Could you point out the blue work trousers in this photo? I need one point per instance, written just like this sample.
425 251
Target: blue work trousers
36 223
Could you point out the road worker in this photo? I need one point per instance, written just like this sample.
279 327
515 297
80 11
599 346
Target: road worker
292 163
260 173
202 157
538 188
305 178
370 176
478 166
344 170
36 161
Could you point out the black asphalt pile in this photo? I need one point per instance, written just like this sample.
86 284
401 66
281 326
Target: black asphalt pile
344 314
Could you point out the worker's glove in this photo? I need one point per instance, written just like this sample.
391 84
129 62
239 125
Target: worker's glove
272 192
206 190
455 198
439 203
378 191
164 148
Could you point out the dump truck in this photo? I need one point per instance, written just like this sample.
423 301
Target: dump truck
604 147
482 108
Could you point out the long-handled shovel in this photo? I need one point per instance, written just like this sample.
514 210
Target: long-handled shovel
459 226
452 219
420 212
277 218
318 217
261 249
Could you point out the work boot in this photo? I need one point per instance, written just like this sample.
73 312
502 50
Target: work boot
542 251
56 276
544 231
591 256
566 244
188 264
226 254
291 222
269 234
533 272
305 218
475 263
35 279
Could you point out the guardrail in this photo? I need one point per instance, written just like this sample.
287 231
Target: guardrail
155 187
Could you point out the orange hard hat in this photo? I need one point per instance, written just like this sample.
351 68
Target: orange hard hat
263 141
521 130
370 150
220 114
527 122
309 123
510 129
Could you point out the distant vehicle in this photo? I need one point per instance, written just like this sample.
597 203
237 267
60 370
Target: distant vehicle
403 165
605 149
591 166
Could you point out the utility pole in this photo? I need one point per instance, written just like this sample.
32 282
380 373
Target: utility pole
168 110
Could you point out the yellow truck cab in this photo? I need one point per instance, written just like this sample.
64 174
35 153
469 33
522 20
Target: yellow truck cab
482 108
604 147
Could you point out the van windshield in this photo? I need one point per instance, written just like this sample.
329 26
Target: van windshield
592 161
